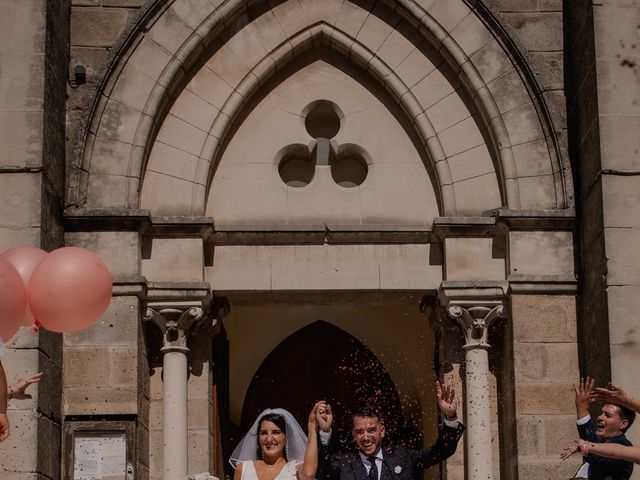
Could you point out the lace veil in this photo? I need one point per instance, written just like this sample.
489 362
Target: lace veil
296 443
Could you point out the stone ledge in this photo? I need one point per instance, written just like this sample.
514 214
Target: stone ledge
320 297
541 284
492 221
181 226
319 236
183 291
105 219
534 219
477 284
464 226
487 225
159 291
470 292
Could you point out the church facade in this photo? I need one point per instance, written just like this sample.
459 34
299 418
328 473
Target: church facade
338 199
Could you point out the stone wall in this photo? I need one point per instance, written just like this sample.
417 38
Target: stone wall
606 151
114 346
536 29
97 27
616 65
604 98
105 367
52 197
33 55
545 368
593 328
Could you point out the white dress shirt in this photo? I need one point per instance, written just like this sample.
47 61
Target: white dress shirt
583 471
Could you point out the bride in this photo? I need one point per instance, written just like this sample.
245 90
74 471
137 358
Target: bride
275 447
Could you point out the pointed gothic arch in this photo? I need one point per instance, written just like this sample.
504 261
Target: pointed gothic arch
135 95
347 374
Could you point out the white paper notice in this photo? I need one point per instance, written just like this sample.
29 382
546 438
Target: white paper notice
100 456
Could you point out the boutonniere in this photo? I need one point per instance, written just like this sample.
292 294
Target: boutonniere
398 469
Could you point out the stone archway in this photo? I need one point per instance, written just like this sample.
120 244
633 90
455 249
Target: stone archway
146 85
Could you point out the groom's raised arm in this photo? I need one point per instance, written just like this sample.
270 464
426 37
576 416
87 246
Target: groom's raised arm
324 419
449 433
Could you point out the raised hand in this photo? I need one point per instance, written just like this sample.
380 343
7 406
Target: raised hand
324 416
614 394
584 399
611 394
447 401
568 451
580 446
313 421
18 390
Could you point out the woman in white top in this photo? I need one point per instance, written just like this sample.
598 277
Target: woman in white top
276 448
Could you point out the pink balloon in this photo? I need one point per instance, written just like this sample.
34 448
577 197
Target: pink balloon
25 259
69 290
13 300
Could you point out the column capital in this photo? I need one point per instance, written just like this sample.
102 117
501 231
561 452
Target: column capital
174 321
473 306
474 321
172 318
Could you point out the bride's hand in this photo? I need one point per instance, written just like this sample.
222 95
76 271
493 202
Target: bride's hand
324 416
313 422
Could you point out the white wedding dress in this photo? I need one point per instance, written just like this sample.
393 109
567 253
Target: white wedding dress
288 472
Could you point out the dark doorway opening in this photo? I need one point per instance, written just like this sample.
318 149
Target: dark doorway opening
321 361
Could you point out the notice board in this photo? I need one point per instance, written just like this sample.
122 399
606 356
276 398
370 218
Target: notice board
99 450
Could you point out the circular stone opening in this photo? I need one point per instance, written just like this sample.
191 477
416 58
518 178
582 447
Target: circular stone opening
322 119
350 167
295 167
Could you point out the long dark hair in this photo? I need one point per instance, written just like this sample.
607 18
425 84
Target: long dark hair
279 421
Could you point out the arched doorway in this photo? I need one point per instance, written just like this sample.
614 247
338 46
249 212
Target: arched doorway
321 361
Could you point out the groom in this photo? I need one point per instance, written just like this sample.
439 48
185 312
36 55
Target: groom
393 462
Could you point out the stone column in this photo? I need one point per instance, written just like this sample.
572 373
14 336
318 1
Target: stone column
177 322
475 318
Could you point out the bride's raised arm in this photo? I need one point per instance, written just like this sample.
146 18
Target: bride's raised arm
310 464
